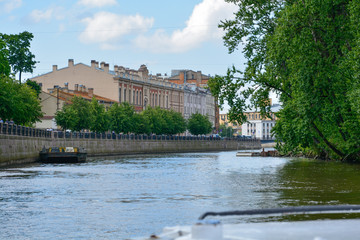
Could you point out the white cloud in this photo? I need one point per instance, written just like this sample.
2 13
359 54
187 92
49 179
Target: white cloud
108 28
97 3
46 15
38 15
10 5
200 27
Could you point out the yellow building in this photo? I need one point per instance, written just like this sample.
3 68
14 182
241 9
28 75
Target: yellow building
224 120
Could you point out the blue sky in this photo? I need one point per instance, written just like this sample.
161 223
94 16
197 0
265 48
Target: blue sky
163 34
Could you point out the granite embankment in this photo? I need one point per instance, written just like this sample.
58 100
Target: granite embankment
17 149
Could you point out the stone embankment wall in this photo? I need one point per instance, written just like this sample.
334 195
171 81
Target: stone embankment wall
22 145
22 149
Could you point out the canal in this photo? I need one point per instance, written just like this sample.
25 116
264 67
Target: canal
130 196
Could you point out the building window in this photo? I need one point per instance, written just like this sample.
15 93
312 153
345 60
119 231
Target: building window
133 97
155 99
120 95
137 98
140 98
167 102
124 95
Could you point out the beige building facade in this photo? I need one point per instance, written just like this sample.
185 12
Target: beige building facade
137 87
182 92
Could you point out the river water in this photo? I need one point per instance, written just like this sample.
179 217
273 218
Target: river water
131 196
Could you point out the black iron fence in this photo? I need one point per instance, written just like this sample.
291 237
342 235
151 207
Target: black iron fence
13 129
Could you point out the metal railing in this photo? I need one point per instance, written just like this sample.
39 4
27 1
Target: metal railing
17 130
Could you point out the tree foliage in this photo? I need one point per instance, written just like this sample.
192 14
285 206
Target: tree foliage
121 117
18 102
35 86
199 124
4 64
19 55
225 131
100 121
162 121
307 52
76 116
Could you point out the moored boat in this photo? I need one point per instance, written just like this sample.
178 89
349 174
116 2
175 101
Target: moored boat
63 155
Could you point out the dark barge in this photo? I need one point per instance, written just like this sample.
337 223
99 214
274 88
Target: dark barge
63 155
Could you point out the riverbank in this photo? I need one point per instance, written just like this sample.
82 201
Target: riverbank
25 149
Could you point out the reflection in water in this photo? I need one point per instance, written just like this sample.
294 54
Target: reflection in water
123 197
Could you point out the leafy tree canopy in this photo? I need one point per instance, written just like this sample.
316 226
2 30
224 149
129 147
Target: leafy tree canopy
76 116
225 131
35 86
199 124
18 102
121 117
19 56
307 52
4 64
100 121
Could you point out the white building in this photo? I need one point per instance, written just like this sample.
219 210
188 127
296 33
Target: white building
258 127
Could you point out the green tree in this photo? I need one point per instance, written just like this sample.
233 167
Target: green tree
157 121
199 124
4 64
178 122
307 52
67 117
225 131
35 86
19 56
121 117
75 116
18 102
100 119
141 124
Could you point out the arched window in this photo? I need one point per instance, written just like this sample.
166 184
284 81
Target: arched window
125 100
137 97
140 98
133 97
156 100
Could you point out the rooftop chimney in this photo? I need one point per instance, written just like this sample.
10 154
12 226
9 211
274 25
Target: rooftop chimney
71 62
102 64
106 67
93 64
91 92
54 68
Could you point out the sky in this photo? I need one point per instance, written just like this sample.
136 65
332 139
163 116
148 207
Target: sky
162 34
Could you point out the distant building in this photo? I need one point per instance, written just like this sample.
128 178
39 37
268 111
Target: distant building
197 96
120 84
224 120
57 97
259 127
256 126
137 87
188 76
